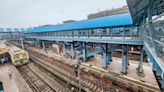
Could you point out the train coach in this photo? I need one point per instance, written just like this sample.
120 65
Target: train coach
4 53
18 56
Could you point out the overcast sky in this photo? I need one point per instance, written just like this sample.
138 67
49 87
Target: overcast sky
30 13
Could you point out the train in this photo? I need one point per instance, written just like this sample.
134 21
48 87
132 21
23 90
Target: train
13 54
4 53
18 56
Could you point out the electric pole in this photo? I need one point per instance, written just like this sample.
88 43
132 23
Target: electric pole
22 42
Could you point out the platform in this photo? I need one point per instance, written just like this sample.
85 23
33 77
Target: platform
115 67
16 83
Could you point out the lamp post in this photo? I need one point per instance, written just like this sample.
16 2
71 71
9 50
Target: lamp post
77 74
79 77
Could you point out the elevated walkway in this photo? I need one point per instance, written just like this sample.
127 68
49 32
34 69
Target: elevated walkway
113 40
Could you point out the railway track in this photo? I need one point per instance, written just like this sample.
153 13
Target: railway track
36 81
87 85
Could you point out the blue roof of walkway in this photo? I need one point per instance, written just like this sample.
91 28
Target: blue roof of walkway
108 21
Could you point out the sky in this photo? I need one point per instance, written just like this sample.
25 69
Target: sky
32 13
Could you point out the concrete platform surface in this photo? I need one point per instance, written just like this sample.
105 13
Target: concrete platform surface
14 84
115 66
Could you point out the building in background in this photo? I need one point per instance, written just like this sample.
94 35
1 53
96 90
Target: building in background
69 21
121 10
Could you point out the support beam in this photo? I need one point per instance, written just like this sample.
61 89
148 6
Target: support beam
36 43
109 57
109 54
64 49
124 59
93 46
140 71
72 50
43 45
128 48
106 55
84 52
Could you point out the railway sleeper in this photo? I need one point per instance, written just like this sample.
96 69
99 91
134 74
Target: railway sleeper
72 78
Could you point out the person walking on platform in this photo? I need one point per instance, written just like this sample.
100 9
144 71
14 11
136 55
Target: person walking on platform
10 74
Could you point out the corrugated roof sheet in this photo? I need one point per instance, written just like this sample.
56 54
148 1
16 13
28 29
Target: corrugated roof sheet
108 21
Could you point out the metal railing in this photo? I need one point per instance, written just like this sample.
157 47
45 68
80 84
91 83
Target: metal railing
155 41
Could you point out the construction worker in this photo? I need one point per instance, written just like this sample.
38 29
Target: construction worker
76 70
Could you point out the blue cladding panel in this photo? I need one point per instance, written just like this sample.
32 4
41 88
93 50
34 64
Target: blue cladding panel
109 21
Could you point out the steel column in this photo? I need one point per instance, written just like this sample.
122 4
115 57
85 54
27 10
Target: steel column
111 33
124 33
105 58
124 59
93 46
140 71
36 43
72 50
100 35
109 56
43 45
64 49
84 52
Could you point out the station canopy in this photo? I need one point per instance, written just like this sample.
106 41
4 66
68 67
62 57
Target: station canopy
139 8
102 22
